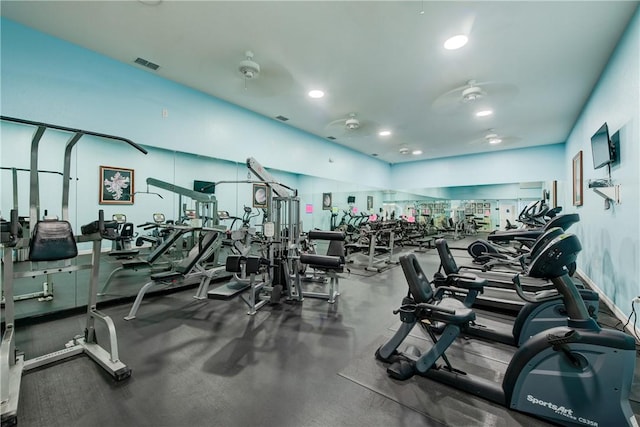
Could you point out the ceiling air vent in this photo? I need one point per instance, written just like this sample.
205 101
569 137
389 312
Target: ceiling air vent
147 64
331 138
282 118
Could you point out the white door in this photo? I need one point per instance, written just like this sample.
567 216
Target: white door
507 212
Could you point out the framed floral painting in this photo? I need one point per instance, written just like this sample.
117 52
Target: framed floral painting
116 186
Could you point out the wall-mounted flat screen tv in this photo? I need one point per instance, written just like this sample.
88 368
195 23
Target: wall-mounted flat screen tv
204 187
601 147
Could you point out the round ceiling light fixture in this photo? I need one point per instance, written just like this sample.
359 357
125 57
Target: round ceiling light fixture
484 113
248 67
384 132
316 93
416 152
403 151
493 138
456 42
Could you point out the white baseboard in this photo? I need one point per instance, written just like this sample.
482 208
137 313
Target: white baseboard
614 308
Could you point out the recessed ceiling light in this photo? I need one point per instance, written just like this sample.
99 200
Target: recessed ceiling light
456 42
416 152
316 93
384 133
484 113
495 141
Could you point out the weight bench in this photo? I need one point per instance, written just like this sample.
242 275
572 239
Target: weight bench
429 241
183 271
331 263
138 263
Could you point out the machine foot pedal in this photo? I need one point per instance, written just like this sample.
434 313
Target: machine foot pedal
401 370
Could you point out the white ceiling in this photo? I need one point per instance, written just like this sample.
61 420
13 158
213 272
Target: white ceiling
383 60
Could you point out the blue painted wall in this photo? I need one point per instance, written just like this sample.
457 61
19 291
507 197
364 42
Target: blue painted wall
49 80
611 238
524 165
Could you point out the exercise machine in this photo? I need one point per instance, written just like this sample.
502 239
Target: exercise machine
329 264
500 293
191 269
152 260
52 247
540 312
577 374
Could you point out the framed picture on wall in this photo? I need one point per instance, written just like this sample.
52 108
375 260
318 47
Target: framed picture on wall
369 203
260 196
116 186
326 201
577 179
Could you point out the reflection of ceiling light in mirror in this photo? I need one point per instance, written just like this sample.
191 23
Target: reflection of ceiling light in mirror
484 113
416 152
316 93
384 133
456 42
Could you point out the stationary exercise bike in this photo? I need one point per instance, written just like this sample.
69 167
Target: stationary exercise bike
577 374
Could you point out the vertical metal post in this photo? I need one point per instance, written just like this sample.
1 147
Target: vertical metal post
14 177
34 186
93 291
66 174
9 312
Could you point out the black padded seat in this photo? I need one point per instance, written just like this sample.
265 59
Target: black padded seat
469 282
135 263
326 235
323 262
166 275
124 253
252 264
461 314
423 294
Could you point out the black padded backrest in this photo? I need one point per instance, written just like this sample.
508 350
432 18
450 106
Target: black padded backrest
419 285
336 248
544 239
52 241
555 256
165 245
563 221
326 235
197 252
127 230
446 258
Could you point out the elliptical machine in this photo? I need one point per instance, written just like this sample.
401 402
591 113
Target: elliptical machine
577 374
